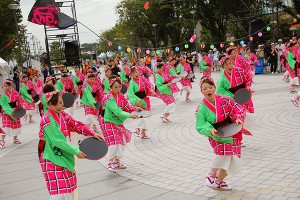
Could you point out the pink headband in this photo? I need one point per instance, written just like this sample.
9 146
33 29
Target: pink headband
205 78
229 48
111 81
48 79
222 61
8 81
49 95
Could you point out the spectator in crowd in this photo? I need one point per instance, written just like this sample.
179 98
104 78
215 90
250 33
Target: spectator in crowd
273 58
153 62
44 69
71 75
30 71
280 47
216 59
148 61
16 78
243 50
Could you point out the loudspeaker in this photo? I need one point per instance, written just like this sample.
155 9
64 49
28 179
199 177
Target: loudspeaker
94 56
72 53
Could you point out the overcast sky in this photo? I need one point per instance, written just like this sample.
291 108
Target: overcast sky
98 15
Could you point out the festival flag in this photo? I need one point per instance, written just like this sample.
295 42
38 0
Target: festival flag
44 12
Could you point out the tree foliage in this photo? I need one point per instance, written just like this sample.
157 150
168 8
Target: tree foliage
8 28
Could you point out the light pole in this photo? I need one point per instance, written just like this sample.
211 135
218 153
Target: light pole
193 12
14 7
154 25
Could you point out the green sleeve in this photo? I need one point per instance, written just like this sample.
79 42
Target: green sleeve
5 105
88 98
106 86
131 94
163 88
172 72
123 76
222 88
25 94
116 110
204 127
45 106
203 65
75 80
54 135
179 68
59 86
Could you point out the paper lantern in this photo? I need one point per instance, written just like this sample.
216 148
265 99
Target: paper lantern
268 28
139 50
194 36
251 38
176 48
119 48
186 46
222 45
212 46
109 43
191 40
231 44
259 34
242 42
202 46
128 50
167 50
146 5
147 51
157 52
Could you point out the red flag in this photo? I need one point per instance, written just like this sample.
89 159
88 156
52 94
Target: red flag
146 6
10 42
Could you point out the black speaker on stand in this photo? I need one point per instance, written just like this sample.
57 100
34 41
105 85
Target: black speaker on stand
72 53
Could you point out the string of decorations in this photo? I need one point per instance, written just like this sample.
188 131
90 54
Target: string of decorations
192 39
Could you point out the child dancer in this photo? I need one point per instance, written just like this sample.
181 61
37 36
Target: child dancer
138 91
105 81
27 90
163 91
116 111
206 65
211 114
65 85
78 83
56 153
232 79
170 69
10 101
185 82
88 99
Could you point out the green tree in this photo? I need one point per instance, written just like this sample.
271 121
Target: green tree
8 29
56 52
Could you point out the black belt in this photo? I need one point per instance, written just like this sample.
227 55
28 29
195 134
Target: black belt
222 123
41 146
102 112
79 83
29 91
68 90
128 78
233 90
94 94
13 104
141 95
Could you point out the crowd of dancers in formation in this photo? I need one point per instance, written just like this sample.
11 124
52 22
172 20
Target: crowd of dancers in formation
171 79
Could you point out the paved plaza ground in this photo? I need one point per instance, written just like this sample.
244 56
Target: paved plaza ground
172 165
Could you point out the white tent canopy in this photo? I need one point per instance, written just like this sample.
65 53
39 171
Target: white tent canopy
4 72
3 63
